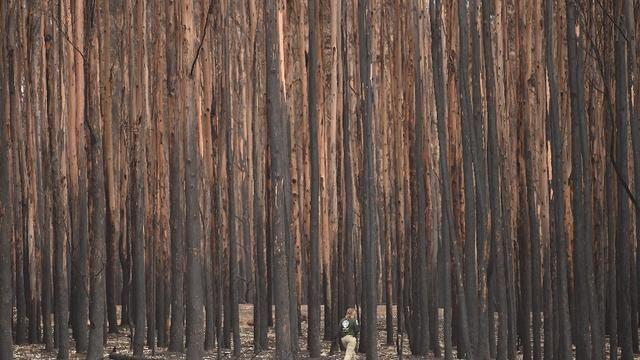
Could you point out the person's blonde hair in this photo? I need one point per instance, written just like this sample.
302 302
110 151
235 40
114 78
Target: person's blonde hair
351 313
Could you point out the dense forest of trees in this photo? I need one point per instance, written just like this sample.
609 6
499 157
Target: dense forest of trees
465 173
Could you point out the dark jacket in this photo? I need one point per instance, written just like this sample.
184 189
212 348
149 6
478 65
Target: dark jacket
348 327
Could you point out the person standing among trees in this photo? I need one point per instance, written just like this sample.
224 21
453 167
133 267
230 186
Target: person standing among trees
348 332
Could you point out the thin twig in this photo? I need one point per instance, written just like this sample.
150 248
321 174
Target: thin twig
204 34
613 160
608 16
66 37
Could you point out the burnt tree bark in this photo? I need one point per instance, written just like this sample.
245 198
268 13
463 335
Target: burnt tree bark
313 337
469 159
493 159
176 183
97 184
139 111
257 128
369 224
193 160
589 339
231 197
6 294
622 241
560 246
279 166
421 325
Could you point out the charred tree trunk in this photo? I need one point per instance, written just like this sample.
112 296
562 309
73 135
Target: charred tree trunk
482 187
6 291
622 241
469 159
634 110
231 197
98 204
558 190
535 251
348 257
52 109
422 304
113 213
313 337
80 238
369 224
279 165
493 158
138 209
176 184
193 160
589 340
261 302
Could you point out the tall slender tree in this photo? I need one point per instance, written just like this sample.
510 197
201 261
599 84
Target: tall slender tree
6 294
369 224
558 188
79 217
188 75
97 307
347 167
278 165
231 210
493 159
422 305
257 129
110 163
139 112
314 254
176 182
469 155
589 339
622 242
52 109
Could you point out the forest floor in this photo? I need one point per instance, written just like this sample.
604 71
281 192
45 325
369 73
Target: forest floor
121 343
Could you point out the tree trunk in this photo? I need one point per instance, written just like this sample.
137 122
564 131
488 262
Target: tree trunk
52 109
558 190
313 338
261 302
469 158
98 203
113 213
279 165
139 111
622 241
534 250
231 197
422 305
369 224
634 106
80 238
193 160
6 294
584 204
176 184
493 158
